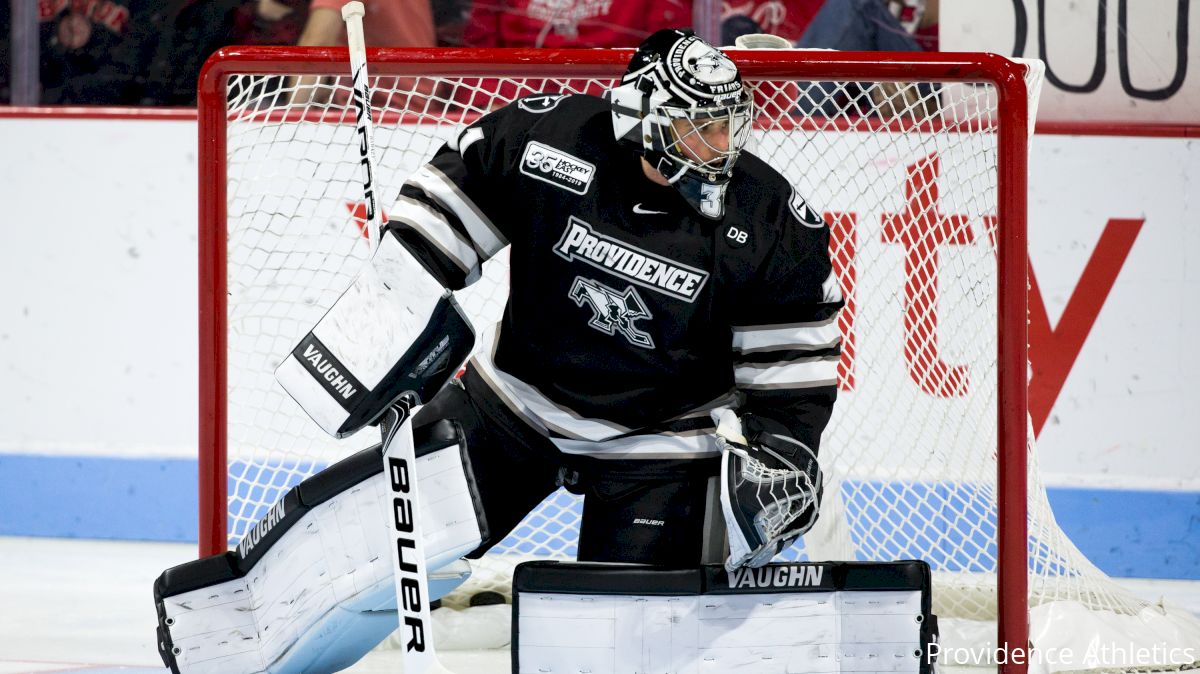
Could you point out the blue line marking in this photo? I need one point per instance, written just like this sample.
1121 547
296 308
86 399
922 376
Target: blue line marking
98 497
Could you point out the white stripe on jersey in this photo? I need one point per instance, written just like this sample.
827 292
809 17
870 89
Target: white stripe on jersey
794 374
806 336
486 371
831 290
728 399
593 437
466 139
687 445
488 240
434 227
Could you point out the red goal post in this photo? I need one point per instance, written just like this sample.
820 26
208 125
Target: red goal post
1009 122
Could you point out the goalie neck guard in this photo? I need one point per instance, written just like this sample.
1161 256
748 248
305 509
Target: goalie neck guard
682 106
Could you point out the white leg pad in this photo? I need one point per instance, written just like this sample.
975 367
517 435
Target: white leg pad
778 619
322 594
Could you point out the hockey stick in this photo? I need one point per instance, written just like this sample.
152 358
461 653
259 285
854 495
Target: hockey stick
408 553
399 452
364 125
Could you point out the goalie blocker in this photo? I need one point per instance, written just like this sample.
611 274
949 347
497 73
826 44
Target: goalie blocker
311 588
800 617
395 329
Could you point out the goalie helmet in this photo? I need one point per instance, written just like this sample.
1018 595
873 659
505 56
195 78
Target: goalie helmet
682 106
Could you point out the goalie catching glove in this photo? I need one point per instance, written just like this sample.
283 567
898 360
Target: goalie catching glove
770 487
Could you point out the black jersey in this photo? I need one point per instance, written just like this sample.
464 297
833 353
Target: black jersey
630 316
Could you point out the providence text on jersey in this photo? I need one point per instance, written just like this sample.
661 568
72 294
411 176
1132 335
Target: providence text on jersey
581 242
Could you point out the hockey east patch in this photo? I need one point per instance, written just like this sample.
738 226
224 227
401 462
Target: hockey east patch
556 167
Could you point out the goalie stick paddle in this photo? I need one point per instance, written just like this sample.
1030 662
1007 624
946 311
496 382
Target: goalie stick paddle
364 125
408 551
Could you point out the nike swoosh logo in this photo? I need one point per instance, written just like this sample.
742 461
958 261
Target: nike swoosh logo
637 208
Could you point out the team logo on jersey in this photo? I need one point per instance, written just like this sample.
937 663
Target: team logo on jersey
613 312
581 242
539 103
805 213
557 168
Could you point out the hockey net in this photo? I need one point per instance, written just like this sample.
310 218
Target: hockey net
923 184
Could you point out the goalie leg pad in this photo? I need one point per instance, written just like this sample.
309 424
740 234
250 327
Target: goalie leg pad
395 329
342 636
311 588
777 618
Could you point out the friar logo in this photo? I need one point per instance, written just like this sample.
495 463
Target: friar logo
714 64
613 312
696 58
557 168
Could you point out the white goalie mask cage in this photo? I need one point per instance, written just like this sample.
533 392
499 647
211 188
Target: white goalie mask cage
681 105
707 140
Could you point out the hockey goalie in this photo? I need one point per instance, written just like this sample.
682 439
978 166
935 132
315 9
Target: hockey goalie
669 350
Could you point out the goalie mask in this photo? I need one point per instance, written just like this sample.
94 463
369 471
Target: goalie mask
682 106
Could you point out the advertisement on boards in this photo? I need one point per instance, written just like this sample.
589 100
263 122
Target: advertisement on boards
1106 60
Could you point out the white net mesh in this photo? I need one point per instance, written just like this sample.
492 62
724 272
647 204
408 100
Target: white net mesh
907 177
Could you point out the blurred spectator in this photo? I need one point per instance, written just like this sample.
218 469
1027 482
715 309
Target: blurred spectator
558 24
582 23
785 18
182 34
920 19
387 23
6 58
873 25
90 53
450 20
269 22
144 52
266 22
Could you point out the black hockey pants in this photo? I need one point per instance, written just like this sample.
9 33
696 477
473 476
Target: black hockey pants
660 512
